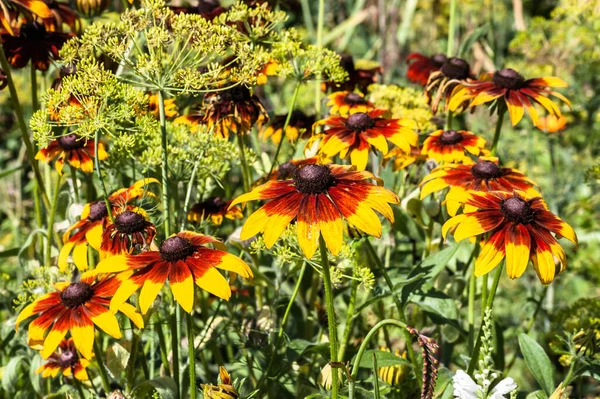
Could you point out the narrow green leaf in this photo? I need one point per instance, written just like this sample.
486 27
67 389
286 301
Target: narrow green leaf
375 377
384 359
538 362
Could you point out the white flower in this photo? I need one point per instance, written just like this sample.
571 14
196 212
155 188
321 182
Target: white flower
504 387
464 386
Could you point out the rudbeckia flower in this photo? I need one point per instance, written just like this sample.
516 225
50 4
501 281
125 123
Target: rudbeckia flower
453 146
131 229
76 307
299 127
346 102
34 43
485 175
233 110
62 13
215 209
183 259
66 361
358 78
552 123
318 198
89 229
287 169
77 151
395 374
354 135
517 228
441 83
10 9
420 67
516 93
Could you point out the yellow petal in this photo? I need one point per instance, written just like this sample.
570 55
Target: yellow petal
80 256
149 293
113 264
63 256
234 264
212 281
108 323
131 312
94 236
83 338
517 245
54 337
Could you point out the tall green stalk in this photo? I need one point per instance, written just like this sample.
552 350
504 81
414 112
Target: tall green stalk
363 347
101 367
320 23
165 163
399 307
191 355
501 113
244 162
333 339
175 334
23 128
100 178
51 217
451 28
285 125
349 319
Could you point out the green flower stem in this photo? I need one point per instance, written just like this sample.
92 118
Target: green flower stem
135 344
244 162
484 293
471 311
333 339
320 23
285 125
75 185
188 194
51 216
164 164
162 343
101 367
100 178
191 355
79 388
349 319
451 28
23 127
501 112
399 307
175 333
364 345
488 304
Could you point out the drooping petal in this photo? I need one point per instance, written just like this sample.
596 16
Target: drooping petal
308 227
518 247
491 254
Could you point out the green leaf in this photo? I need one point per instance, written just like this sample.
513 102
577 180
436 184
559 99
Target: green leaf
8 172
538 362
11 373
384 359
471 39
163 386
375 379
436 302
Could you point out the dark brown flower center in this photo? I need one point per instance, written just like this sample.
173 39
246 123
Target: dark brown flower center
33 31
508 78
313 179
76 294
236 94
450 137
287 170
517 210
359 121
67 358
130 222
486 170
176 248
354 98
98 211
71 142
439 59
212 205
456 68
347 62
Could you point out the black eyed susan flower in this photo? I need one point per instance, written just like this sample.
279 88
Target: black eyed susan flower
77 151
453 146
214 209
299 127
318 198
89 229
65 360
358 78
420 67
75 307
62 14
517 228
396 374
34 43
183 259
441 83
287 169
346 102
131 230
513 91
485 175
354 135
233 110
11 9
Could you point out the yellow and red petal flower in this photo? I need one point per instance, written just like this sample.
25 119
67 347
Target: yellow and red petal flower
420 67
492 253
453 146
182 285
345 102
83 336
518 247
154 280
212 281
